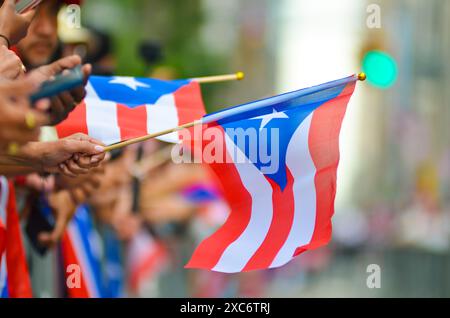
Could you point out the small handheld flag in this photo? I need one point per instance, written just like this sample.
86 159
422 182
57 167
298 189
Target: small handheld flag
80 248
14 276
277 213
121 108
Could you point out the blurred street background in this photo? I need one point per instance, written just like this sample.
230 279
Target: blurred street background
393 205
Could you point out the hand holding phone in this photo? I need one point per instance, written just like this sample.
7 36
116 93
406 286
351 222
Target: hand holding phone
13 25
65 82
61 83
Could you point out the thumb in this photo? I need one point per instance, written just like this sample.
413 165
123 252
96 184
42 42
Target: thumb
68 62
87 71
29 15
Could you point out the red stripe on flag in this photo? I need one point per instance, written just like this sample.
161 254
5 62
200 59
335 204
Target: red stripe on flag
324 148
209 252
75 123
283 217
2 240
70 258
189 103
132 121
19 284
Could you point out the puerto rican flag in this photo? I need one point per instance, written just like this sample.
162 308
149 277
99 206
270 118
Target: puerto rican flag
121 108
14 276
81 246
276 215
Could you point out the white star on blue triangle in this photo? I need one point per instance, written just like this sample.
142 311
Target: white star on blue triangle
133 92
286 122
266 119
130 82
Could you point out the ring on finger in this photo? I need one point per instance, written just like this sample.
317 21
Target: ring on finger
30 120
13 148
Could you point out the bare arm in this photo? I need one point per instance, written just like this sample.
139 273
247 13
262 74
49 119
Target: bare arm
13 171
71 156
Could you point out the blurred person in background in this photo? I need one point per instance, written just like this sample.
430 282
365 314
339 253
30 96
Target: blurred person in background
93 45
40 46
424 224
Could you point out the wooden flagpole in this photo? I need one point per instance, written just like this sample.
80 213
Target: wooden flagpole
151 136
360 77
239 76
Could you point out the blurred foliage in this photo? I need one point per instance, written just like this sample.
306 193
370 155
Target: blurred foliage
176 25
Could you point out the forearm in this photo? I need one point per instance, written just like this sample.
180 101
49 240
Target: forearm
13 171
5 38
27 158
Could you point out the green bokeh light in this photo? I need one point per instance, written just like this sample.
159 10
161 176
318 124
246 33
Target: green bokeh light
381 69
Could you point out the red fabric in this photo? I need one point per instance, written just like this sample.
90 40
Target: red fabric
70 258
20 180
189 103
324 147
75 123
130 121
2 239
190 107
79 2
19 284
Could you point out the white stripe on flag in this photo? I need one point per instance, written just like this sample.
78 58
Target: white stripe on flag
101 119
4 189
83 259
237 254
301 165
3 274
162 116
90 91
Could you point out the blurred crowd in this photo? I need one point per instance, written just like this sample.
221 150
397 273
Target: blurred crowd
130 218
131 208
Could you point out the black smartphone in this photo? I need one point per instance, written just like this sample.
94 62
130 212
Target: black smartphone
40 220
61 83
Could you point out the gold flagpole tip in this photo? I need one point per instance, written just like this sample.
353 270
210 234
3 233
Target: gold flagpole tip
362 77
240 76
